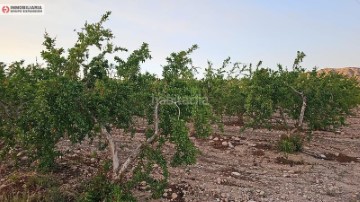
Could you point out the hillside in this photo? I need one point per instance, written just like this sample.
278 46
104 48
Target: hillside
347 71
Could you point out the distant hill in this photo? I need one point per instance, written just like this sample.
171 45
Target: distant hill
346 71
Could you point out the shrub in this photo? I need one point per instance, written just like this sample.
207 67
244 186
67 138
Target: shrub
290 144
101 188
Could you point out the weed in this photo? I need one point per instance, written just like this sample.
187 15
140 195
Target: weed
290 144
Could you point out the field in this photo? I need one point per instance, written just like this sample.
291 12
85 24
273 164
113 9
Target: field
81 128
233 166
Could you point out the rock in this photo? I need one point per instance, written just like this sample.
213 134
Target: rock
237 139
2 187
224 143
20 154
291 171
286 175
251 144
174 196
262 193
216 139
235 173
143 188
165 195
93 160
240 149
223 195
24 158
231 145
322 156
218 180
34 163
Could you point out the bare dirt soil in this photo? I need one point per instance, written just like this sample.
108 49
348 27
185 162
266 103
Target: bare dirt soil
248 167
234 166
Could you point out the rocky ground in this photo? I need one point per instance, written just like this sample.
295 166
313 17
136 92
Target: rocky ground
247 167
232 166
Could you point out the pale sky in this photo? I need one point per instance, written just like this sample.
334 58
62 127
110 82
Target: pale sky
328 31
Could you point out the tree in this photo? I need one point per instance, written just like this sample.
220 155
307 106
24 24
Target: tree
75 96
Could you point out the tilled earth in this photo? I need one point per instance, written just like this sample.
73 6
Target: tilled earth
232 166
247 167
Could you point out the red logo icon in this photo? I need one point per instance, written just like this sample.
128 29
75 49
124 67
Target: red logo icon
5 9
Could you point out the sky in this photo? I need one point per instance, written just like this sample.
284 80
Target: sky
328 31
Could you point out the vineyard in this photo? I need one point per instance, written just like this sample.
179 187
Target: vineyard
91 126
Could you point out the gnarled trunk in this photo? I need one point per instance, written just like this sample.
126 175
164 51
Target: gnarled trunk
113 150
302 111
138 149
